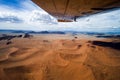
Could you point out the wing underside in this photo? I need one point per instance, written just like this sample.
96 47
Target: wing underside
70 10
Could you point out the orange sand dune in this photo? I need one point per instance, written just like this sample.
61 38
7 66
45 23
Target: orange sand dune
64 58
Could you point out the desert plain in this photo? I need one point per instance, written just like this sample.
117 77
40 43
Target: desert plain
60 57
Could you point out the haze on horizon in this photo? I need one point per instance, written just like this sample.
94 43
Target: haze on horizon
25 15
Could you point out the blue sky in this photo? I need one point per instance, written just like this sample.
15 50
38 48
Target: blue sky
12 3
25 15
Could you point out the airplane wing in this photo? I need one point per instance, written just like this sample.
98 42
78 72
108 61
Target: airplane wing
70 10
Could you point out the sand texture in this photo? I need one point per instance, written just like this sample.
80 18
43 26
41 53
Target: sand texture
59 57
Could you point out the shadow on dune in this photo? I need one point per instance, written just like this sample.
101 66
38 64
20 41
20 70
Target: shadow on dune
108 36
9 37
115 45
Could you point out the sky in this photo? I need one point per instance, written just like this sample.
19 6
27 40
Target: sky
26 15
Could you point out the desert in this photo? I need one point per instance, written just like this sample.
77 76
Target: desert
60 57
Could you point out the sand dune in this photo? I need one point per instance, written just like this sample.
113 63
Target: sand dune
63 58
6 52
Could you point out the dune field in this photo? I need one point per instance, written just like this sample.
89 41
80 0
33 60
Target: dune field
60 57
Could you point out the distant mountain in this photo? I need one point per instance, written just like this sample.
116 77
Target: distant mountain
13 31
74 33
40 32
32 32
